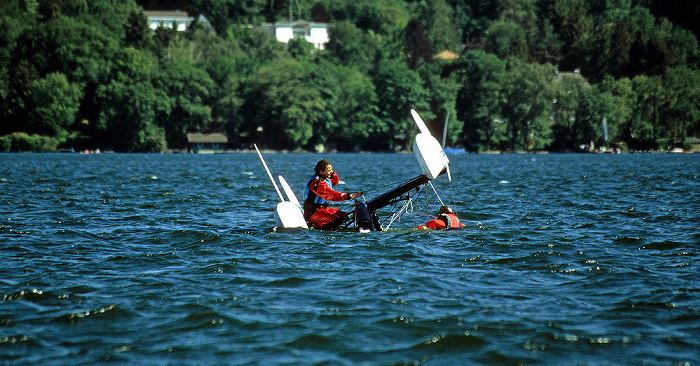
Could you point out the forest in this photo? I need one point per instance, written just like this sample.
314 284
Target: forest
506 75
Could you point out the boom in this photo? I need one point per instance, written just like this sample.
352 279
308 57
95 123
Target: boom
386 198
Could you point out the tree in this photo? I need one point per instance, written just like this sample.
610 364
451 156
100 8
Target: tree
16 97
300 48
379 17
526 97
524 14
281 105
223 13
188 90
506 38
623 97
479 98
109 15
127 106
682 111
51 9
398 90
418 47
54 103
594 107
683 13
79 50
475 17
575 27
127 117
257 48
354 121
579 110
437 19
569 92
641 131
442 90
225 97
640 69
137 32
350 46
682 46
546 46
15 17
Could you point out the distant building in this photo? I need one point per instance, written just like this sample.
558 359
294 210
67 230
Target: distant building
446 55
177 19
575 75
314 33
694 143
207 142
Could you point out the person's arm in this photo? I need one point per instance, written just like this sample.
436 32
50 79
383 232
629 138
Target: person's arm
335 179
436 224
328 194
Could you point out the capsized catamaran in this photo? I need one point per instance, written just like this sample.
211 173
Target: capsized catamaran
430 157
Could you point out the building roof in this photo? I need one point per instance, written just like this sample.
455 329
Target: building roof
170 14
195 138
574 75
296 23
446 55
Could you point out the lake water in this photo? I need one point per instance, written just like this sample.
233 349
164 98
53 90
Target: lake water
172 260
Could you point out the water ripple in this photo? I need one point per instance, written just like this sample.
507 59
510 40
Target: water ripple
173 259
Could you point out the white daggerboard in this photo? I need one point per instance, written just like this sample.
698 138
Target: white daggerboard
288 191
427 149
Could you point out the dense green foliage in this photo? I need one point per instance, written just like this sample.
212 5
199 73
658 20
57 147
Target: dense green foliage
91 74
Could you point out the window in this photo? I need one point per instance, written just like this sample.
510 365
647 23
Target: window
301 32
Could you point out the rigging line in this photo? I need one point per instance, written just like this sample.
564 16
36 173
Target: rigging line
430 207
409 206
452 192
397 214
428 204
436 194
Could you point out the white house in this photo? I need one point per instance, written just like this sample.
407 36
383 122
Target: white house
315 33
167 19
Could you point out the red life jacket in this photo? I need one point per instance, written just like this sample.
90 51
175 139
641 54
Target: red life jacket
451 220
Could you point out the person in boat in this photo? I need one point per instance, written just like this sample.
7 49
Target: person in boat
319 191
446 219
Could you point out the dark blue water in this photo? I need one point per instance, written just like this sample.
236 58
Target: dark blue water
171 259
